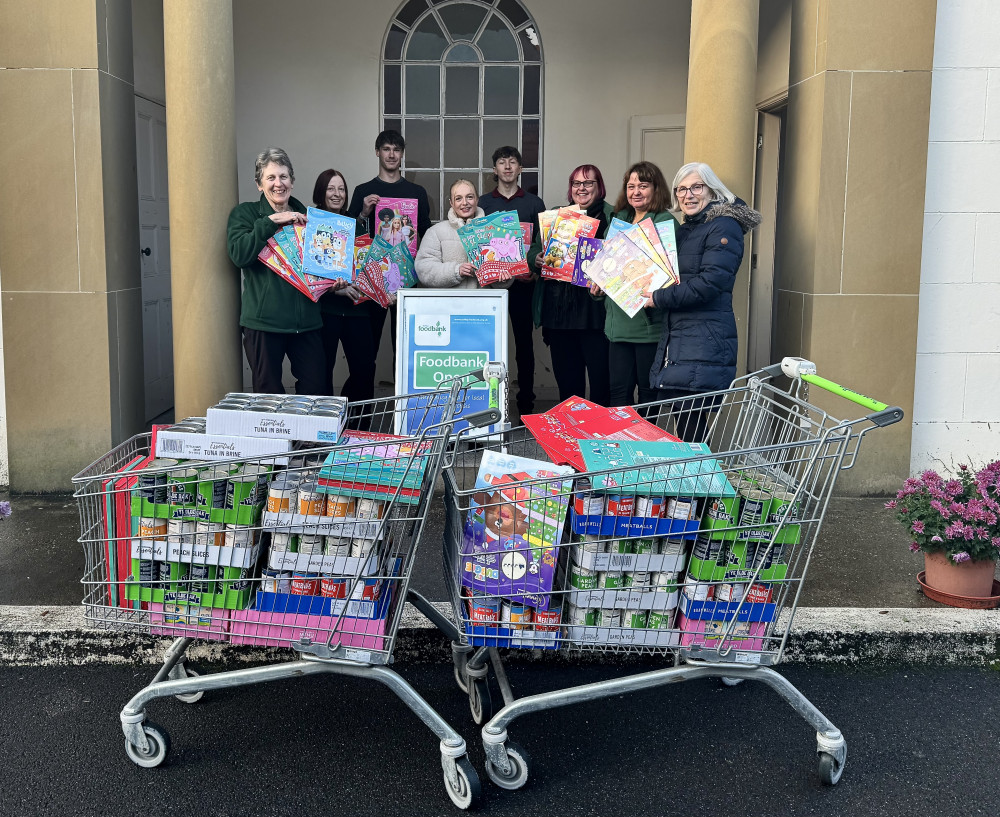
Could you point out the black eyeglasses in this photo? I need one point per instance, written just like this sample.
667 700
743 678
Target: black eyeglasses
695 189
576 185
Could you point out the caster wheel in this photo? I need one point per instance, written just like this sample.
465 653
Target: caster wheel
731 682
159 747
519 768
469 790
830 769
460 677
480 700
191 697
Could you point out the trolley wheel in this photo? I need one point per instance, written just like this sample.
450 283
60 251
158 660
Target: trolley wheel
520 767
191 697
460 677
731 682
480 700
159 747
469 790
830 769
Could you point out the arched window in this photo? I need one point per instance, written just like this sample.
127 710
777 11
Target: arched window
461 78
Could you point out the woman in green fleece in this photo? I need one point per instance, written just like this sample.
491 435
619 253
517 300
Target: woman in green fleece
632 341
277 319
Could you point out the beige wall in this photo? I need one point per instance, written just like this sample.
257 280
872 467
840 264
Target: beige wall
147 42
316 91
773 44
852 207
71 310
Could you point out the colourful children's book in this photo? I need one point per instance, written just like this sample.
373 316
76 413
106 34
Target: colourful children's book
616 226
328 245
587 248
396 222
559 256
625 272
667 230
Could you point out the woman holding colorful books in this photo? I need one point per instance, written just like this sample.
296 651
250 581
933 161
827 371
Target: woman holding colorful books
632 341
442 261
572 322
346 322
697 348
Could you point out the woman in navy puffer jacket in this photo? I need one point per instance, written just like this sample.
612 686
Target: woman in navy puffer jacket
697 350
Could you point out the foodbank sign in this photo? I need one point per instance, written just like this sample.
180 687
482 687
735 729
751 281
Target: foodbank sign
431 367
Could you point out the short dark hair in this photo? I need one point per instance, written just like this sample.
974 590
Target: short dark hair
651 174
390 137
506 152
319 189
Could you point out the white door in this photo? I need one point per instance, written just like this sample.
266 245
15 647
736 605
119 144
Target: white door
657 139
762 259
154 254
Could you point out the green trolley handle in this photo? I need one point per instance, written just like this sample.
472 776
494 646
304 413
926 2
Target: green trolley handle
491 374
805 370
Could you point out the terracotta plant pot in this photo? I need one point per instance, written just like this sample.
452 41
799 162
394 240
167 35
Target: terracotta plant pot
972 579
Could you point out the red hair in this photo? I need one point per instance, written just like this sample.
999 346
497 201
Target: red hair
587 170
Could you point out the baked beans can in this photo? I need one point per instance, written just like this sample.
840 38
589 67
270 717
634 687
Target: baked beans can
338 505
310 502
763 555
336 546
587 502
210 534
182 487
369 509
361 548
620 504
275 581
710 550
729 592
484 609
240 536
582 616
284 543
334 587
634 618
311 544
212 482
547 621
280 496
518 616
609 617
152 528
582 578
681 508
304 584
650 507
202 578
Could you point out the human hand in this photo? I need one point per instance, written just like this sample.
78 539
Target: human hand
467 270
288 217
648 303
369 204
595 290
538 260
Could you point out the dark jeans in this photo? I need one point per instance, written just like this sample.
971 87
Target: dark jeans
354 333
579 355
266 352
630 364
691 416
519 309
378 322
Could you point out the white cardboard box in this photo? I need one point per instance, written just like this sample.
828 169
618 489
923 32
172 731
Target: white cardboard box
168 550
345 527
188 446
613 635
627 598
318 563
630 562
275 426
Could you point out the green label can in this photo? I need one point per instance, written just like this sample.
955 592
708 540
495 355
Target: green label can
582 578
212 483
182 487
634 619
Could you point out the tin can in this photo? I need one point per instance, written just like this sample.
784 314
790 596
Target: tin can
710 550
790 530
338 505
582 616
279 497
634 618
209 534
610 580
587 502
181 529
275 581
763 555
182 487
620 504
149 573
760 594
620 546
697 591
722 512
369 509
646 546
663 582
649 506
334 587
588 544
754 509
152 528
304 584
212 482
239 536
609 617
484 609
640 580
582 578
336 546
366 589
284 543
518 616
152 486
171 573
729 592
681 508
310 501
202 578
361 548
659 619
672 547
241 491
311 544
547 621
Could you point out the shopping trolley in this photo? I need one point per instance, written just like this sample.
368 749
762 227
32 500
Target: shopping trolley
698 556
251 550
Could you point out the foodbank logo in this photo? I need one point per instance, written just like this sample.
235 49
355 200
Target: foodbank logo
432 330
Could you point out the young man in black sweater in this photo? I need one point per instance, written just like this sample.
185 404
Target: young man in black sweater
389 148
508 195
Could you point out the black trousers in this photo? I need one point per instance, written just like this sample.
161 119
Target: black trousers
579 355
378 315
519 298
266 353
353 332
630 364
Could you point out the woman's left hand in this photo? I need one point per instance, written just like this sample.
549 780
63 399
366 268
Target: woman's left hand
649 299
288 217
595 290
467 270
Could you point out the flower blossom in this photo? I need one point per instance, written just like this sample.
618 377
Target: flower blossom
914 547
5 509
890 505
960 557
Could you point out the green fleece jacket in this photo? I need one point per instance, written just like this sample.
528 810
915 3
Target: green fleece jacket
269 303
647 325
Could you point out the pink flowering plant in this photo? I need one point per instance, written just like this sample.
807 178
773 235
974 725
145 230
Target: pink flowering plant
959 517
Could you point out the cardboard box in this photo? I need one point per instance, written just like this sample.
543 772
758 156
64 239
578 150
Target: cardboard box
625 598
178 620
630 562
711 610
274 426
579 634
173 551
482 635
716 560
710 635
625 526
223 445
345 527
318 563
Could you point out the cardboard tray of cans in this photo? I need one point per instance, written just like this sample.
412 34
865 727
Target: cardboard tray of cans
244 515
630 562
319 563
192 445
526 637
607 525
630 598
710 635
343 526
712 610
231 585
176 549
306 418
179 620
582 634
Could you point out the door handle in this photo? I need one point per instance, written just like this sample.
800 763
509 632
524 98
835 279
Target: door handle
146 251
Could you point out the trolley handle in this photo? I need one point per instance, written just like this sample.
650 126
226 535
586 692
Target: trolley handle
491 373
805 370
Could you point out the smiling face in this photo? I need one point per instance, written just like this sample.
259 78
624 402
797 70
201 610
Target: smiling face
583 188
336 194
507 169
639 193
390 157
464 200
692 194
276 185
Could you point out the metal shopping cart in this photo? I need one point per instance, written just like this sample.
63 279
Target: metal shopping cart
283 549
698 555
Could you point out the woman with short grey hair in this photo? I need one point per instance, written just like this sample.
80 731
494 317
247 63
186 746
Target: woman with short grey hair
277 320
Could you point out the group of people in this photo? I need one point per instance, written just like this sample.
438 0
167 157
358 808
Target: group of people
682 344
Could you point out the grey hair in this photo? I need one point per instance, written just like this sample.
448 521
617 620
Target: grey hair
266 157
707 175
457 182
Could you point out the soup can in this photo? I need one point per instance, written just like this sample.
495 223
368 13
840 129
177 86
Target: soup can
334 587
305 584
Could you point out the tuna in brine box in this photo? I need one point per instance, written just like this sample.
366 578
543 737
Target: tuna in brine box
510 543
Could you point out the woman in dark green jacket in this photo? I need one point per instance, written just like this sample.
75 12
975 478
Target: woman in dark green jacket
277 319
632 341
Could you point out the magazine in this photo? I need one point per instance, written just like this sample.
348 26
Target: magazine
328 245
559 255
587 248
625 272
396 222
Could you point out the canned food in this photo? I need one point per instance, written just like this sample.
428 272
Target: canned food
305 584
311 544
152 528
672 547
338 505
755 505
620 504
760 594
646 546
546 621
484 609
202 578
587 502
697 591
336 546
639 580
279 497
519 616
153 486
610 580
149 573
729 592
681 508
212 482
242 491
284 543
275 581
181 528
620 546
582 578
182 487
170 573
209 534
634 619
361 548
659 619
609 617
582 616
310 500
663 582
369 509
649 506
334 587
237 536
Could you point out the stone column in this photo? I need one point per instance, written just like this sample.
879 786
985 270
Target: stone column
721 116
201 159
